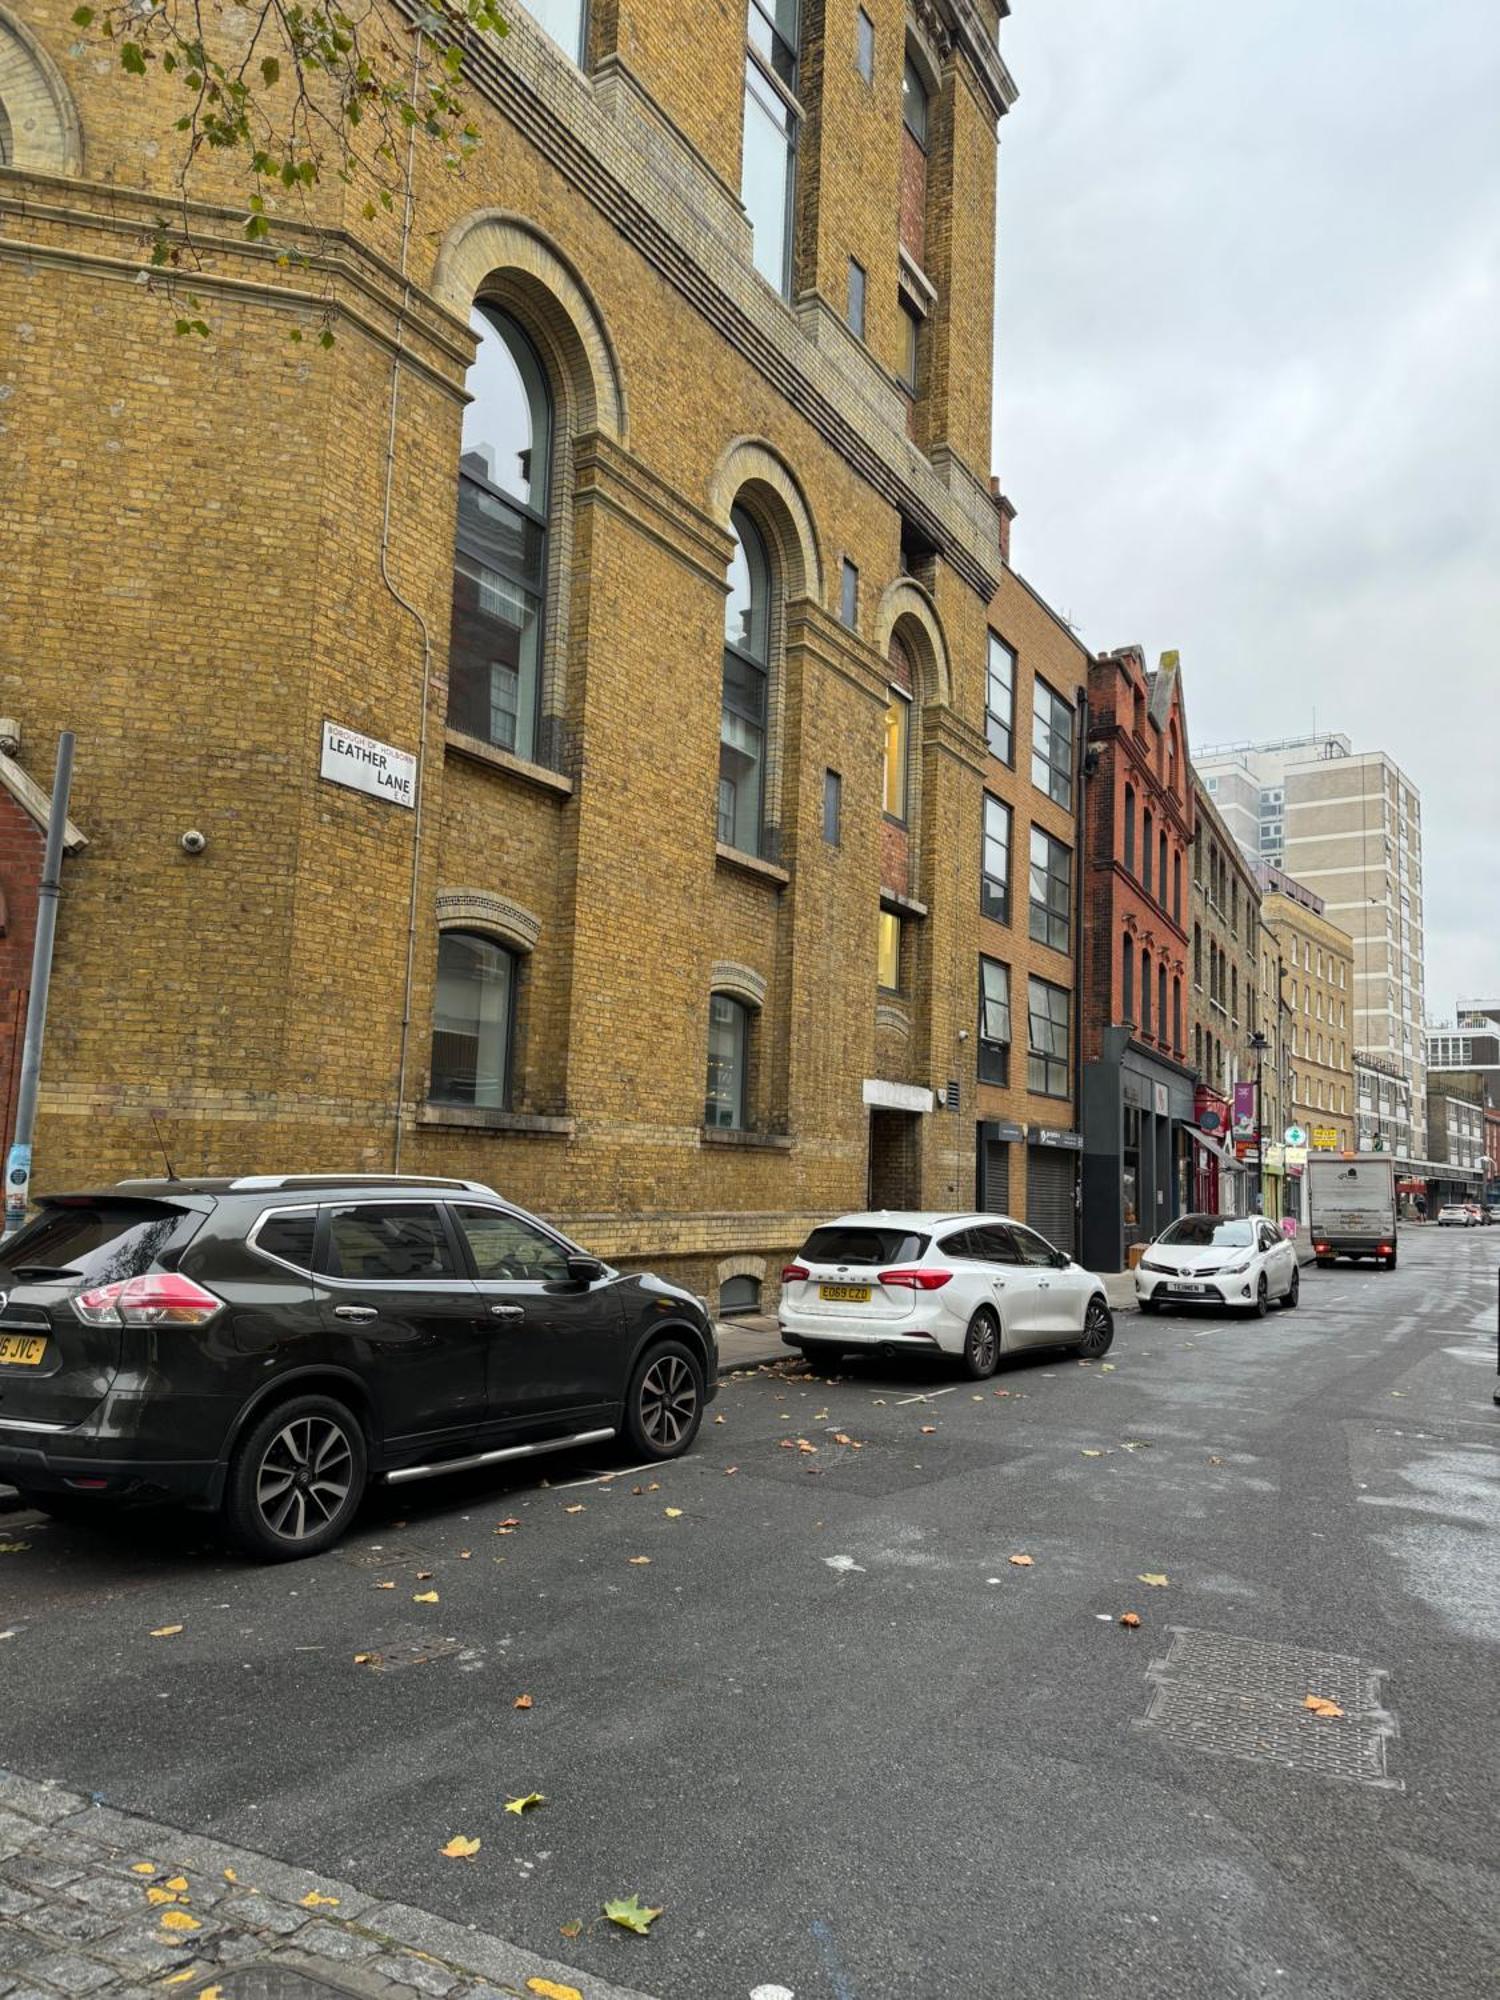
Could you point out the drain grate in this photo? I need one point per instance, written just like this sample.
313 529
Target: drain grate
388 1559
1244 1698
407 1650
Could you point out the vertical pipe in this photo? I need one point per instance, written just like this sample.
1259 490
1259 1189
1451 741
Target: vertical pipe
18 1161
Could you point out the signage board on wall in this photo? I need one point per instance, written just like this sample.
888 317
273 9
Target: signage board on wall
1325 1139
1161 1100
1244 1111
364 764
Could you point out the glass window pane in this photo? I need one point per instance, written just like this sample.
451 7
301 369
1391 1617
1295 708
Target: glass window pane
857 298
766 177
563 20
388 1242
849 594
888 952
746 611
773 29
507 427
994 1000
471 1021
897 730
995 861
506 1246
724 1099
914 102
911 333
864 46
1052 746
1000 699
833 807
494 657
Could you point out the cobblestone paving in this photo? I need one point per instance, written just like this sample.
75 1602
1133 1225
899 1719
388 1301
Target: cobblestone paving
99 1903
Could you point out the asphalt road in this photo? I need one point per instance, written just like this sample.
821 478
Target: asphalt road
849 1746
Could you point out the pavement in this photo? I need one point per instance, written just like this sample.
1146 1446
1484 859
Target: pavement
865 1723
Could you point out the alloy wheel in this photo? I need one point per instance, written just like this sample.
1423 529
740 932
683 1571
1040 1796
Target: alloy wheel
1096 1329
304 1477
669 1401
984 1346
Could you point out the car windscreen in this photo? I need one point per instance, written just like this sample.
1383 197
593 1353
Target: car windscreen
860 1243
1209 1232
97 1242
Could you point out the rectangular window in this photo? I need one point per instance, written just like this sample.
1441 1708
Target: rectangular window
994 877
864 45
381 1242
1000 700
897 744
563 20
849 594
769 162
833 807
857 299
888 952
994 1021
742 755
1051 890
911 340
728 1049
1052 747
1050 1016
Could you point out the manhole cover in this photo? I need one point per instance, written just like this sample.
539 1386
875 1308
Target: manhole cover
383 1558
1246 1698
276 1980
388 1656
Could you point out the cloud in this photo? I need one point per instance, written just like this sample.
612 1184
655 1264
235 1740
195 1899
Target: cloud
1248 396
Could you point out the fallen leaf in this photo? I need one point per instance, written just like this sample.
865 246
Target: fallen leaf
523 1701
230 1876
1319 1705
820 1416
464 1555
1136 1444
385 1586
178 1884
158 1896
576 1508
460 1848
505 1531
1216 1461
1023 1562
805 1444
1002 1392
425 1597
143 1868
639 1561
730 1471
525 1803
1091 1454
718 1420
1106 1368
313 1901
177 1978
365 1659
165 1631
631 1914
572 1929
1155 1578
654 1487
548 1989
179 1920
928 1429
637 1489
842 1437
211 1993
424 1576
1129 1618
672 1513
13 1548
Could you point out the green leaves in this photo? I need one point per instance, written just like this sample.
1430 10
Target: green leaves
631 1914
270 71
132 59
83 17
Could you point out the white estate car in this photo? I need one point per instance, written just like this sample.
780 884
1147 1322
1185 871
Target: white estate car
1218 1260
973 1286
1457 1215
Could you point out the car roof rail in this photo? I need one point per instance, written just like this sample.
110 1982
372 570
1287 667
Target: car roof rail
259 1183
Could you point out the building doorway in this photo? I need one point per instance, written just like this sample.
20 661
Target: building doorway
895 1177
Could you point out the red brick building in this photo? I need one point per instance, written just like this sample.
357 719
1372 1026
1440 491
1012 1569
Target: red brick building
1137 1079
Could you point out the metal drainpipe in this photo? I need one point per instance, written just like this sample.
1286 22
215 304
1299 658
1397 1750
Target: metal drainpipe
1080 890
421 623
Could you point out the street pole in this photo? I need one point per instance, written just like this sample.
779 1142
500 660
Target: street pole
18 1160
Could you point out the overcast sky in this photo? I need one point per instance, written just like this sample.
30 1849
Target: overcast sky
1248 380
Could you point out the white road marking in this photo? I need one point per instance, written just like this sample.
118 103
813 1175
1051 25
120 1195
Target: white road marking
930 1396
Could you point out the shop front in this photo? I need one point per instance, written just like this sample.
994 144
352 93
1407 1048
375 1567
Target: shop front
1138 1149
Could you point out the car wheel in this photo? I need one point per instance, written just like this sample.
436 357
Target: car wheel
1098 1330
296 1479
665 1405
982 1345
1262 1297
1293 1291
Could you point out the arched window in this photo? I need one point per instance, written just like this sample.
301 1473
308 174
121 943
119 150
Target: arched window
747 660
1127 979
726 1097
500 561
1130 829
739 1295
472 1019
1145 992
1147 836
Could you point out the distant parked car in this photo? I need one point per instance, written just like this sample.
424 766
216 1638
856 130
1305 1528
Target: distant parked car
1457 1215
972 1286
1241 1262
270 1346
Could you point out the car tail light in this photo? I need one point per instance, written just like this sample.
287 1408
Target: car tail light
916 1280
1385 1249
1320 1248
791 1272
161 1298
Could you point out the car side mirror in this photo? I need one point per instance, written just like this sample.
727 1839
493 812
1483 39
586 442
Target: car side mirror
1060 1260
585 1270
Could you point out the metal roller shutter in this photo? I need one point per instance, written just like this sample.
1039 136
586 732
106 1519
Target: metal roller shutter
1049 1195
994 1176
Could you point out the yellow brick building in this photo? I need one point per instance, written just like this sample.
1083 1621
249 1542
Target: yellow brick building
631 547
1317 996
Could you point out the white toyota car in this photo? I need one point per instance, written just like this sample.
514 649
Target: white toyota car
973 1286
1238 1261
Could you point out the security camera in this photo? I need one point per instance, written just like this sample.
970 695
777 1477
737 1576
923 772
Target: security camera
10 735
194 842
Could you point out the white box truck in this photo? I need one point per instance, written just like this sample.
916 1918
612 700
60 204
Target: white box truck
1351 1206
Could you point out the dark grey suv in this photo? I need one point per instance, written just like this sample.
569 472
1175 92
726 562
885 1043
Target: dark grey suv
269 1346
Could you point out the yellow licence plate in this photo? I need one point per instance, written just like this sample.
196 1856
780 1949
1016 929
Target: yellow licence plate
22 1350
845 1295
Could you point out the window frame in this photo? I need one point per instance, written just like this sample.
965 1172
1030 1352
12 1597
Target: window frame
512 958
1047 910
833 806
750 664
864 46
994 723
911 68
887 925
993 888
857 298
998 1068
775 96
1049 1057
744 1014
1056 781
849 594
899 705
